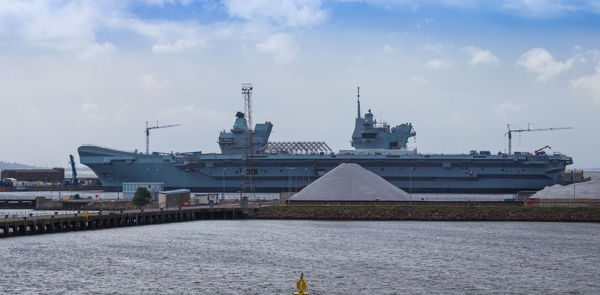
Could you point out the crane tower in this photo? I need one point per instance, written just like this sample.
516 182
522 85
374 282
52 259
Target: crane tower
511 131
148 128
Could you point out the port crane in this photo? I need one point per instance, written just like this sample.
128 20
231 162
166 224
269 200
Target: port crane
148 128
540 151
74 179
511 131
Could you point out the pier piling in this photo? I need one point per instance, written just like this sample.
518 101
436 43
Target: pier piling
34 225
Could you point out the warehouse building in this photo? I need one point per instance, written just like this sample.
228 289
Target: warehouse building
54 175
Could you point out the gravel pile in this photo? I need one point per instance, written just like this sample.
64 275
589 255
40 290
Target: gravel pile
583 190
350 182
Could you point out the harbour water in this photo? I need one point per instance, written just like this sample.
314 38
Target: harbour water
267 256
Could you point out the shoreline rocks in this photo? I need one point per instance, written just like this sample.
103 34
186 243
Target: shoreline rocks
429 213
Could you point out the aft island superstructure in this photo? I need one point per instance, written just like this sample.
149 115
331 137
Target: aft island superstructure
248 162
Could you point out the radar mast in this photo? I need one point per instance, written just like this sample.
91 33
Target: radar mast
358 100
247 93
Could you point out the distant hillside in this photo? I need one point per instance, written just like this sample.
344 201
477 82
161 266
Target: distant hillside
6 165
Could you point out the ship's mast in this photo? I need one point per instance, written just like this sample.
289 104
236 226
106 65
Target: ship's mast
247 93
358 100
248 174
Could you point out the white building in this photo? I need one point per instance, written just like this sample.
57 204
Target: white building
129 189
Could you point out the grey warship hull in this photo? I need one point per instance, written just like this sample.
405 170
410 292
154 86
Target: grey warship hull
460 173
248 162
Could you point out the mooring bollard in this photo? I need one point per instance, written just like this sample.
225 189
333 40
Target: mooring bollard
301 285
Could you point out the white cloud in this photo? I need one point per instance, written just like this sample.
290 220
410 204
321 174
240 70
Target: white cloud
457 117
418 80
581 56
541 62
508 107
178 46
89 107
387 49
436 64
438 48
480 56
149 81
589 84
545 8
359 59
285 12
426 21
97 49
593 54
57 25
282 46
190 113
163 2
523 8
75 26
92 111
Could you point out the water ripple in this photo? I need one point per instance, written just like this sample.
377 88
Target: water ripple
266 257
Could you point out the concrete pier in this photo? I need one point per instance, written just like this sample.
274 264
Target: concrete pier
34 225
17 204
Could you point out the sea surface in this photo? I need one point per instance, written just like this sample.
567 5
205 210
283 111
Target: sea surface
267 257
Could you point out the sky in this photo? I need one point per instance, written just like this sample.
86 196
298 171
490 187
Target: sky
76 72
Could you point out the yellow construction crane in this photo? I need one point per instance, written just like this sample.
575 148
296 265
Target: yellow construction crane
148 128
511 131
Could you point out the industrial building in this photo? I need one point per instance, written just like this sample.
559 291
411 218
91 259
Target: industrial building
173 198
129 189
54 175
205 199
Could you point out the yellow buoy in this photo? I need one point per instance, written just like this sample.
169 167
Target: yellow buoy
301 285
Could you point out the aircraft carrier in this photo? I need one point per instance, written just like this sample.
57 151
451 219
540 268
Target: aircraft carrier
248 162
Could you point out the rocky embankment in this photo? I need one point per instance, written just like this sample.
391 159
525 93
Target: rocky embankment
429 213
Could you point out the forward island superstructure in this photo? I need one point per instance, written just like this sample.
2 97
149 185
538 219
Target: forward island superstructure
248 162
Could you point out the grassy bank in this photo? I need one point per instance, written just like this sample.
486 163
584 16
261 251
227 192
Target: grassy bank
429 213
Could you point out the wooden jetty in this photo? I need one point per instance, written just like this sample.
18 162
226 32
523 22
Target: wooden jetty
34 225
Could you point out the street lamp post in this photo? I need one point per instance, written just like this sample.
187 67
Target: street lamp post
183 178
573 194
289 169
306 175
410 186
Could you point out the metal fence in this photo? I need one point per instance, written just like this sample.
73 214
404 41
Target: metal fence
8 214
